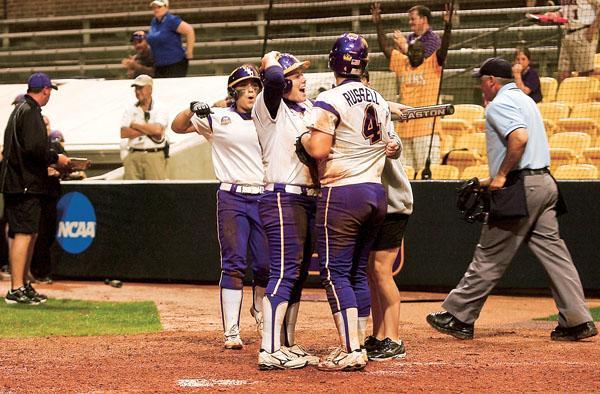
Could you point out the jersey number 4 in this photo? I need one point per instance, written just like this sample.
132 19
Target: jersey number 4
371 126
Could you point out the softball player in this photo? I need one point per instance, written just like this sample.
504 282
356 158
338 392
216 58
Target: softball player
237 161
352 132
287 208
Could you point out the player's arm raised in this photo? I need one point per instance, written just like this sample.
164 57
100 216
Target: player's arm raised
274 82
183 124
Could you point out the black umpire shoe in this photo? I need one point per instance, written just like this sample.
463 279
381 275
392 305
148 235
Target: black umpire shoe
446 323
34 295
19 296
575 333
388 350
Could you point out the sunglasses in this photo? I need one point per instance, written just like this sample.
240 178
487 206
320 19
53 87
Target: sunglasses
138 37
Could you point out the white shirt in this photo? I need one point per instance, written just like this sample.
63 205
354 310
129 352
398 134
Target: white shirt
359 119
236 154
580 14
397 187
135 114
277 138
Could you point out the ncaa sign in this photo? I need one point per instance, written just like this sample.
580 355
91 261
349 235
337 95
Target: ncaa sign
76 222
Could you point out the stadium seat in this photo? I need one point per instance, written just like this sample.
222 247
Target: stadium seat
561 156
597 63
446 143
549 87
585 118
481 171
462 159
577 90
551 114
439 171
479 125
576 171
592 156
410 172
574 141
461 122
474 142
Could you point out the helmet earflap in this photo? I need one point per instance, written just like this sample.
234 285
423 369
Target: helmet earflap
288 86
233 93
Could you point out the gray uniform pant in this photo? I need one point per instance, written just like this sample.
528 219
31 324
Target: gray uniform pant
498 244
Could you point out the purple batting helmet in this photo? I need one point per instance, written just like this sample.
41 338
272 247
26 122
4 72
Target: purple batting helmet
290 63
242 73
349 55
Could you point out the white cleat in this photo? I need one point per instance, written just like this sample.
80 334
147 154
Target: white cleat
232 339
340 360
281 359
300 351
258 317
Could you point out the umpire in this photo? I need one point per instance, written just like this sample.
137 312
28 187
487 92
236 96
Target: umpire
524 205
24 182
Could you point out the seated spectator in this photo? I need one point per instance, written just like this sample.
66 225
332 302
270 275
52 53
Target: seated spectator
164 37
526 78
142 62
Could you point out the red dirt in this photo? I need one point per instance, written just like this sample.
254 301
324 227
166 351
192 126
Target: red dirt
510 352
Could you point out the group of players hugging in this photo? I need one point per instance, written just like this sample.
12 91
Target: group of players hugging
298 175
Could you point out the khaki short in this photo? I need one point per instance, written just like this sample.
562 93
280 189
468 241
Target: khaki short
577 53
145 166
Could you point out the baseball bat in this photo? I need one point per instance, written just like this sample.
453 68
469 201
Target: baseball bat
427 111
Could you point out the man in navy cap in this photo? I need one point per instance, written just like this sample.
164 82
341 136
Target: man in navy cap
524 204
24 173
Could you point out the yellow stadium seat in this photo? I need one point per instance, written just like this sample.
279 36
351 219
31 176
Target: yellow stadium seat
592 156
461 121
549 87
439 171
479 125
481 171
551 114
474 142
462 159
446 143
576 142
576 171
561 156
585 117
410 172
597 63
577 90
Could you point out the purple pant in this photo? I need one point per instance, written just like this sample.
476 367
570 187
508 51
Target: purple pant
240 228
348 218
288 220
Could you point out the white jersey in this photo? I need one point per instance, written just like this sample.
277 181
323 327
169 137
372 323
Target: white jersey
579 12
156 115
236 153
359 119
278 138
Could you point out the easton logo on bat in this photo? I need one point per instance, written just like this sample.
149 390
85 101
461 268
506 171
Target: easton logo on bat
425 113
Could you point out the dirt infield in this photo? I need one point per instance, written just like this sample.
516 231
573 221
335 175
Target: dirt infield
510 353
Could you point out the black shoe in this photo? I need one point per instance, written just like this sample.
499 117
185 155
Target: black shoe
33 294
388 350
372 343
576 333
19 296
446 323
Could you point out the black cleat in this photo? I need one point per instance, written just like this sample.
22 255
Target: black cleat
33 294
446 323
388 350
372 343
19 296
581 331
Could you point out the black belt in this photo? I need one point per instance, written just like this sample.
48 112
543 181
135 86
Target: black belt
537 171
147 150
570 31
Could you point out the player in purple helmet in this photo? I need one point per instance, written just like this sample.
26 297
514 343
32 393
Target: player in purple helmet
237 161
287 208
351 133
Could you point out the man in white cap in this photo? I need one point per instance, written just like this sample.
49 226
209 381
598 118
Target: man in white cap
144 124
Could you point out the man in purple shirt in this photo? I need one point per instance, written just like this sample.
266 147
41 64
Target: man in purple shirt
418 19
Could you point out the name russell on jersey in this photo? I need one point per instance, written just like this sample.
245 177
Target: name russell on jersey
360 95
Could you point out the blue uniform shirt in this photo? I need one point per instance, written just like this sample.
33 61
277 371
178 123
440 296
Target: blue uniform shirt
165 41
512 109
